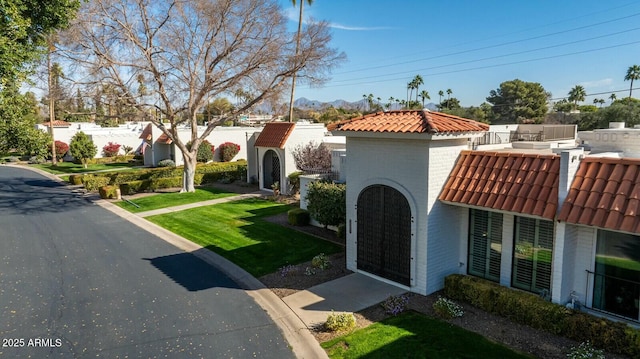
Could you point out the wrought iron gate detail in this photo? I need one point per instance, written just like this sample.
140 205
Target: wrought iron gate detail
384 233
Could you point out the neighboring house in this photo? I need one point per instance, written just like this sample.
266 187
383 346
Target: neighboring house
125 135
422 205
274 146
157 146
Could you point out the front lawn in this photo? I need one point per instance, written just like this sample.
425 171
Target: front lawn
164 200
70 167
413 335
237 231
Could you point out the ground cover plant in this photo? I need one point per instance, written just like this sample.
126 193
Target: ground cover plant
415 335
164 200
237 231
70 167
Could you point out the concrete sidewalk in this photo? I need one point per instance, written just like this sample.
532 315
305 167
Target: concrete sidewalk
350 293
199 204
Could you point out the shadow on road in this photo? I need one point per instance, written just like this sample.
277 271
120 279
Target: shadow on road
191 272
31 195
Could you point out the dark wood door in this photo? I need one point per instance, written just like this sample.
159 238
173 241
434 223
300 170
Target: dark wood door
384 233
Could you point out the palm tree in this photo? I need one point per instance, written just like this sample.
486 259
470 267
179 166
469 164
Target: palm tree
598 101
577 94
424 95
293 77
440 93
613 97
417 81
449 92
633 73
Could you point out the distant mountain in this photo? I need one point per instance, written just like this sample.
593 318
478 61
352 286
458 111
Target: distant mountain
306 104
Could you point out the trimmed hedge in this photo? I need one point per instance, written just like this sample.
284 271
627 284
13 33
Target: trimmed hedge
298 217
93 183
75 179
108 192
529 309
205 173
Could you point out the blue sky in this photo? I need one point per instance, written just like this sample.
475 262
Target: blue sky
471 46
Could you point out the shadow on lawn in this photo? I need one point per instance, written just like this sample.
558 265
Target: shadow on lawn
191 272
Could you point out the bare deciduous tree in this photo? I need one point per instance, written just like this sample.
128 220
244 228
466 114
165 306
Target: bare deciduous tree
312 157
186 52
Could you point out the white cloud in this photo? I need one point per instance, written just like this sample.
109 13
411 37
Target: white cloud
597 83
355 28
293 14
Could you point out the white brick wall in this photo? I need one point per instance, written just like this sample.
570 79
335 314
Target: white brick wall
626 140
444 221
585 248
506 258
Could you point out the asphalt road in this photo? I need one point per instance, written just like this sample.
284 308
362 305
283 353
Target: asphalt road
77 281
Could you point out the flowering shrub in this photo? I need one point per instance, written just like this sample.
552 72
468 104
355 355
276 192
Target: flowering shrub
228 151
340 322
584 351
166 163
395 304
285 270
447 309
111 149
61 149
321 262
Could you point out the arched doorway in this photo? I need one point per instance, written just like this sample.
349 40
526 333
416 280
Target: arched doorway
384 233
270 169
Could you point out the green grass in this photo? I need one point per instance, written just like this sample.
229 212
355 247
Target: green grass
238 232
70 167
164 200
413 335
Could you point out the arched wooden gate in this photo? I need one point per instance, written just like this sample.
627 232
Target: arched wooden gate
270 169
384 233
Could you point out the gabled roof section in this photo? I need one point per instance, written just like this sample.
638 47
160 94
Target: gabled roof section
507 181
146 133
409 121
57 123
605 193
164 139
275 134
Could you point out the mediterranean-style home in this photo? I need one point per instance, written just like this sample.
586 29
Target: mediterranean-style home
425 201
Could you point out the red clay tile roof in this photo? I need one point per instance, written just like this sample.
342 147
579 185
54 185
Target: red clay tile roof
146 133
605 193
409 121
507 181
275 134
164 139
57 123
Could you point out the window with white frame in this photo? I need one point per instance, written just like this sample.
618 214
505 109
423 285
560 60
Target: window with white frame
532 255
485 244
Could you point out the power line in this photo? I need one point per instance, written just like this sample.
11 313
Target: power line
563 21
491 57
491 46
492 66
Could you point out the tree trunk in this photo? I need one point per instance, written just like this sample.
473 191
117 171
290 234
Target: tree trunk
189 174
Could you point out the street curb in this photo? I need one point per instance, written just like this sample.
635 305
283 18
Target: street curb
302 342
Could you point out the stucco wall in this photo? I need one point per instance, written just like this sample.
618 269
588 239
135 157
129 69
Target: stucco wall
402 165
